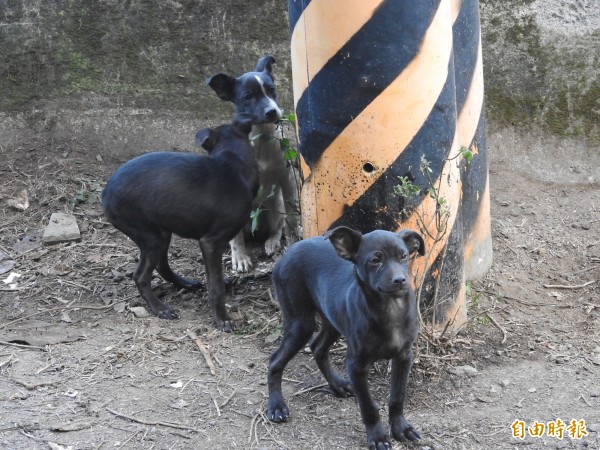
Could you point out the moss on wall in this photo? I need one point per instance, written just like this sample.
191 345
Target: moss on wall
136 52
539 77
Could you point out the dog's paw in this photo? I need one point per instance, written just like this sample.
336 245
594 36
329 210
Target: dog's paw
342 388
241 262
380 442
226 325
278 413
273 245
403 431
168 313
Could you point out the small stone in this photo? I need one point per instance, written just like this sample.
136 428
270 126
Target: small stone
98 158
463 371
504 203
531 390
504 383
494 390
140 312
595 427
585 225
61 228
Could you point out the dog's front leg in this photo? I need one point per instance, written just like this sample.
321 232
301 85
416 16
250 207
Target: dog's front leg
213 261
377 438
240 261
401 429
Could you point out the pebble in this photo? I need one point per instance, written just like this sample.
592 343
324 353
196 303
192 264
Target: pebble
462 371
595 427
140 312
505 382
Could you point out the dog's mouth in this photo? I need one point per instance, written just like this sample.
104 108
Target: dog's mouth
395 290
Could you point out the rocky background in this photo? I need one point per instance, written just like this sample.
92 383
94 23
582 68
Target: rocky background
117 77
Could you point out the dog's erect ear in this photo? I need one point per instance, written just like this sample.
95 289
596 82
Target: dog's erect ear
243 123
207 139
223 85
264 64
346 241
414 241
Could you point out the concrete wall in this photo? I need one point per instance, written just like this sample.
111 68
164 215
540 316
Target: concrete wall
117 77
121 76
542 76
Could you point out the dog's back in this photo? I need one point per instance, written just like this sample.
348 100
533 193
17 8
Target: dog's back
307 275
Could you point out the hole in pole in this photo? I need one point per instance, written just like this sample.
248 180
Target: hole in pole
368 167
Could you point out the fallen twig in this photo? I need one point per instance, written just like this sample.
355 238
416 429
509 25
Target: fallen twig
253 424
228 399
203 350
313 388
10 358
31 347
216 406
564 286
498 326
31 387
64 308
149 422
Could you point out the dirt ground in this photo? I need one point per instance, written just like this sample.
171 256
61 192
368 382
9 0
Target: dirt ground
78 370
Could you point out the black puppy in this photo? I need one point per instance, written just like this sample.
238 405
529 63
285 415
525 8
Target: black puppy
254 93
206 198
360 288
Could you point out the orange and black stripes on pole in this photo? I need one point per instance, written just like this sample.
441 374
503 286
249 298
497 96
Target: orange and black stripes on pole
471 130
375 95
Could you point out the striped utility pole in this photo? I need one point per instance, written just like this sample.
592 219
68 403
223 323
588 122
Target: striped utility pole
390 90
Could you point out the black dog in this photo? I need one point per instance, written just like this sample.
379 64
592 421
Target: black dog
206 198
254 93
366 297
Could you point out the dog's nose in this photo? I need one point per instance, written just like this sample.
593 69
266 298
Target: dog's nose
399 281
271 114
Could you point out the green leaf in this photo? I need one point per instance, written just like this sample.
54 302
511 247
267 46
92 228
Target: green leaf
290 154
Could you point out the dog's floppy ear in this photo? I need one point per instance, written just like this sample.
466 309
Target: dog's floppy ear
223 85
264 64
207 139
243 123
414 241
345 241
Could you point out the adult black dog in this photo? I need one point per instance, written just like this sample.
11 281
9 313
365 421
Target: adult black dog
360 288
206 198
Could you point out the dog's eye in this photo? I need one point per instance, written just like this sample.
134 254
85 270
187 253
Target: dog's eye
376 259
247 96
270 91
403 257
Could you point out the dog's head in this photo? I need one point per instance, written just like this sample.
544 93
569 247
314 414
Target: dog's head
236 132
381 257
252 93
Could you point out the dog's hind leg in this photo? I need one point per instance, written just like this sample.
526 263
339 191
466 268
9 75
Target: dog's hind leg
152 244
320 347
296 334
165 271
